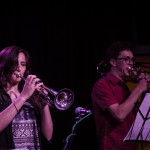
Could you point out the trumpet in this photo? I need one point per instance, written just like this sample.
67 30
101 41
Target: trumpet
63 98
135 74
138 70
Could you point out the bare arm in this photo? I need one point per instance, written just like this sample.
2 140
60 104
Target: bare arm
46 123
7 115
46 119
120 112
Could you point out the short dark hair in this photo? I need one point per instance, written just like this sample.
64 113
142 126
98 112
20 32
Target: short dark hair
114 50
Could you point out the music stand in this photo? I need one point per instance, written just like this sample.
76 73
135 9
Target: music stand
140 129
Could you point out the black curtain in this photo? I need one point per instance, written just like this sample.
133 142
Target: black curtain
66 41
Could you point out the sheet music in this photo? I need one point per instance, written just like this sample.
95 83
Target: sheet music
139 124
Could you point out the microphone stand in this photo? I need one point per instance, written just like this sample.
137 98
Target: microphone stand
70 137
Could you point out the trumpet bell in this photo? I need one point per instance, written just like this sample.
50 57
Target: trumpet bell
64 99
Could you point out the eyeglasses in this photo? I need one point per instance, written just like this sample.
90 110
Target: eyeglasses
128 59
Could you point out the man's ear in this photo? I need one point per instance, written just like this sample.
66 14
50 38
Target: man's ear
113 62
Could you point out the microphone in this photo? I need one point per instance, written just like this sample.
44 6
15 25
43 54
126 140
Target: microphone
82 111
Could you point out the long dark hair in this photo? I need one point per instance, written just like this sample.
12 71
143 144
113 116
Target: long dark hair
9 63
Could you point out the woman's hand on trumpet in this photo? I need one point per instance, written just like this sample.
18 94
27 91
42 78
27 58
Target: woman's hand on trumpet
38 98
32 89
30 86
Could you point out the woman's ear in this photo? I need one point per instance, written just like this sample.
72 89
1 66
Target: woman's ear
113 62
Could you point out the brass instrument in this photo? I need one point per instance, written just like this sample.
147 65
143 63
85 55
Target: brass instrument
135 74
102 68
63 98
136 71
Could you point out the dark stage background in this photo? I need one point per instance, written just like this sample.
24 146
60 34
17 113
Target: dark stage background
66 41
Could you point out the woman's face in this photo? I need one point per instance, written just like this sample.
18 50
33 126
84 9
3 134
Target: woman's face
21 68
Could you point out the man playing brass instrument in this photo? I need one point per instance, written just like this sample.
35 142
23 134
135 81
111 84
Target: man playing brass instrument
113 103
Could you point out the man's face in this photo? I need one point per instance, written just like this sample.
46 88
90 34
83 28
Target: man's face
123 62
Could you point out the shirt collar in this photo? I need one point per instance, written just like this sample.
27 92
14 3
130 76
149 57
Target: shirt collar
113 79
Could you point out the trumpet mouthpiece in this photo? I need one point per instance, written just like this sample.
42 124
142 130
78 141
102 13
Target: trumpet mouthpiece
131 69
18 75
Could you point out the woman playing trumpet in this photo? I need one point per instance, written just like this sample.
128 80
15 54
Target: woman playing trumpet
19 109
